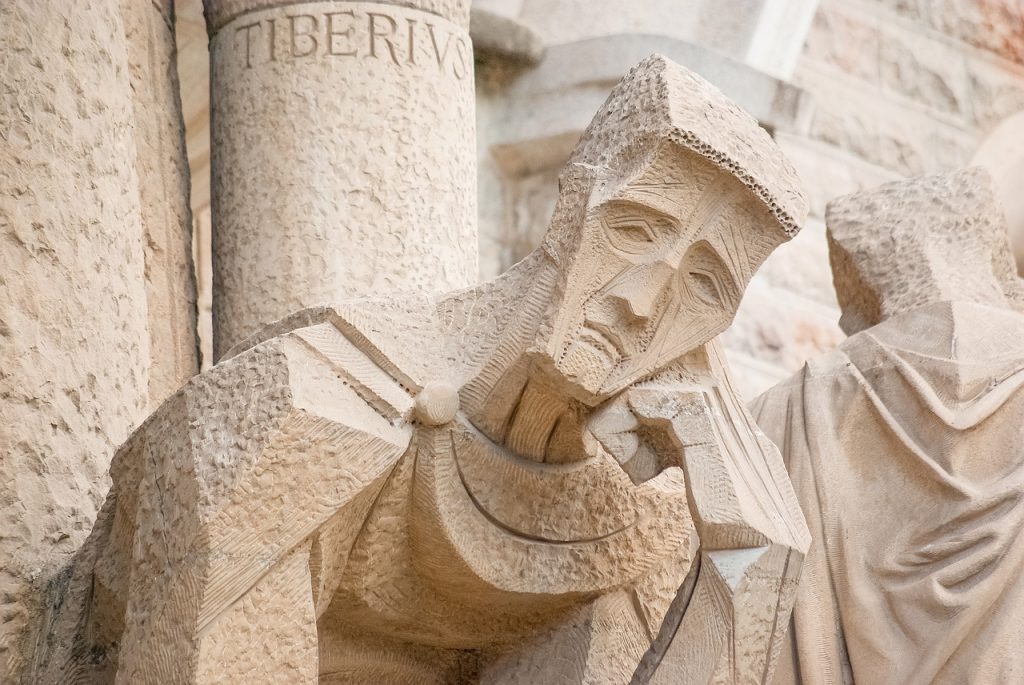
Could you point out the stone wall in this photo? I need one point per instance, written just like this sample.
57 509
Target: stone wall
900 88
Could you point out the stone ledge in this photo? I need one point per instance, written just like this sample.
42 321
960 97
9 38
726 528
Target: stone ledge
550 105
503 37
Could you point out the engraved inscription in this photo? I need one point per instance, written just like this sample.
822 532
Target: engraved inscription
378 34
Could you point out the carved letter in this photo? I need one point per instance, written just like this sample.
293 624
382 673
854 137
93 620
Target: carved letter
374 35
295 35
273 39
411 58
347 33
441 55
248 41
461 50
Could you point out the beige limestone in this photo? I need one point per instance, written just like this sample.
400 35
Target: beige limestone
766 34
530 117
163 189
342 155
96 320
529 126
900 87
904 445
545 478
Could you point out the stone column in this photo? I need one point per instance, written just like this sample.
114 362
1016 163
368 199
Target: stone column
162 167
93 285
73 316
343 154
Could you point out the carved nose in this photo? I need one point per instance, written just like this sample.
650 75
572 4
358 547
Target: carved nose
640 291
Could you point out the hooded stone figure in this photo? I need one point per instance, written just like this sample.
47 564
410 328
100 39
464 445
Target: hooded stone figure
906 446
477 487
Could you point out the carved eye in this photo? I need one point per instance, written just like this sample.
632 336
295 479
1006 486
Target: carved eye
706 277
630 234
704 286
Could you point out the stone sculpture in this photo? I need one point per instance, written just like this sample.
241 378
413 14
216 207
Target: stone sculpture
905 446
478 487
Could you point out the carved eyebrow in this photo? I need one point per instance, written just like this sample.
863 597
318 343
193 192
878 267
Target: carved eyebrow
639 209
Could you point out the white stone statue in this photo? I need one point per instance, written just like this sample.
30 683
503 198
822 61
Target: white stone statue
544 479
906 446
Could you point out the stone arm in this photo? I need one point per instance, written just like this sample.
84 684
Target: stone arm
730 617
237 503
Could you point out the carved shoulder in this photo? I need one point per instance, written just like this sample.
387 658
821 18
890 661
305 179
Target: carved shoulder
326 384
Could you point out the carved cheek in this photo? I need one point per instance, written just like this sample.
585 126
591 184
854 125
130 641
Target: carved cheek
693 328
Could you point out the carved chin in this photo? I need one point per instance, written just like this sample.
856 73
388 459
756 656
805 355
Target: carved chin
587 365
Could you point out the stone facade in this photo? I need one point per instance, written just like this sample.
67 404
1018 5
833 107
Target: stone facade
900 88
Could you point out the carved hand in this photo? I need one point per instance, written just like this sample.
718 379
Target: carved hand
751 550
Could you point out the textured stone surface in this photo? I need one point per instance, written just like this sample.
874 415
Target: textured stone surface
94 310
909 85
310 205
781 327
907 243
900 86
867 44
993 25
857 118
529 125
220 12
504 484
904 445
163 189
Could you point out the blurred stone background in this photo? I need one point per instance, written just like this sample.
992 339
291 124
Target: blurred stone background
856 92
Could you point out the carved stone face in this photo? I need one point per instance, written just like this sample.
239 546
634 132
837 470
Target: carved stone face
660 271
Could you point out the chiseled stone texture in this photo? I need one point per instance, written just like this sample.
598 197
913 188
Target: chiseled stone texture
162 168
904 445
74 316
343 157
379 488
884 266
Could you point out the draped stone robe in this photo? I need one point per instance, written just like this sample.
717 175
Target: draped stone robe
906 449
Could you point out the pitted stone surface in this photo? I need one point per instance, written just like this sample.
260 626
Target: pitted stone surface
310 205
891 247
162 167
95 321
